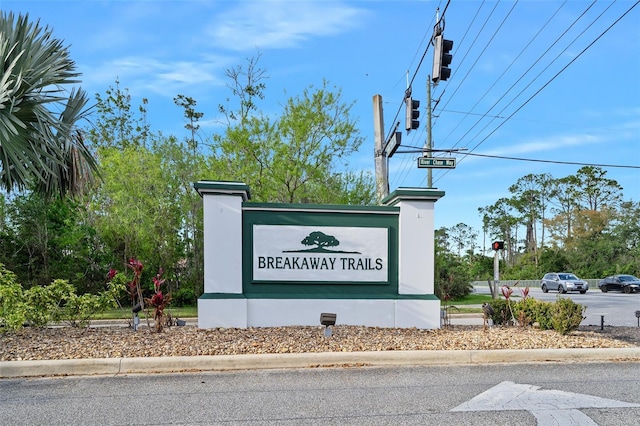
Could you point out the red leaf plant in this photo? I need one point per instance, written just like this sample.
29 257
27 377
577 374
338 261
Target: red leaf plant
159 301
507 292
133 287
112 273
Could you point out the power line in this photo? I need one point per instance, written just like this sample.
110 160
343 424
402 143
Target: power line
530 120
480 55
540 31
410 83
548 82
555 76
502 157
508 116
415 149
405 166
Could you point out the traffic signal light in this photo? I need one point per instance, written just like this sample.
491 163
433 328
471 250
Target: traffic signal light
497 245
441 58
412 114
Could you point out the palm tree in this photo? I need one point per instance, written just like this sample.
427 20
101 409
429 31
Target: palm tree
39 148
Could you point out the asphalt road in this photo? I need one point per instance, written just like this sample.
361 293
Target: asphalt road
618 308
523 394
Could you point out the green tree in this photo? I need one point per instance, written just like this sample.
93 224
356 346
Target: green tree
565 207
136 209
462 236
452 278
192 116
530 199
246 86
596 191
188 166
117 125
40 147
48 238
625 232
300 156
502 222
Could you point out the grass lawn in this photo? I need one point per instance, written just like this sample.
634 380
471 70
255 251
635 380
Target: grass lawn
460 306
182 312
472 299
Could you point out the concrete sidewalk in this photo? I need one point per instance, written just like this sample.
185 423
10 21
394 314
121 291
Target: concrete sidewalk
164 365
152 365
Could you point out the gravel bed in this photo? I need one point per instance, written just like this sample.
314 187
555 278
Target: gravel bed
118 341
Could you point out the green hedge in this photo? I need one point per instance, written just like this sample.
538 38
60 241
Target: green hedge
563 315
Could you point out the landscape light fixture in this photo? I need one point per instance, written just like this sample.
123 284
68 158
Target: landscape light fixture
327 320
136 319
638 316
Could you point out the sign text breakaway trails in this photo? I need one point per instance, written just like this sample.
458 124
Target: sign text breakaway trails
320 254
327 263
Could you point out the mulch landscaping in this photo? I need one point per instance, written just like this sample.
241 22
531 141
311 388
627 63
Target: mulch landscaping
122 341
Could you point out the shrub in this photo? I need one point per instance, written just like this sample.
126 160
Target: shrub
43 305
184 297
566 315
543 314
525 311
12 308
40 306
501 313
563 315
79 309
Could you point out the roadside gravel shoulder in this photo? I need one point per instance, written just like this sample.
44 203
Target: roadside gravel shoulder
65 343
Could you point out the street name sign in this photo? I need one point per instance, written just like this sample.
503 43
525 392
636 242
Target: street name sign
436 163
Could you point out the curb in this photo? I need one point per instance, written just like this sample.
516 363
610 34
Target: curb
118 366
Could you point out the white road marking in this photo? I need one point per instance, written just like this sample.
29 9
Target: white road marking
550 407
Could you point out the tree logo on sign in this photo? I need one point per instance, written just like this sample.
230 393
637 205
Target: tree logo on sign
321 241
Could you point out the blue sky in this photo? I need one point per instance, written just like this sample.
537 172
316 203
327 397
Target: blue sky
542 80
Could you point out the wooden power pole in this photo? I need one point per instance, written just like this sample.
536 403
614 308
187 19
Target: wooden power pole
382 175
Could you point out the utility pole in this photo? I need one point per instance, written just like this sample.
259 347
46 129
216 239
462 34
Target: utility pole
382 176
429 139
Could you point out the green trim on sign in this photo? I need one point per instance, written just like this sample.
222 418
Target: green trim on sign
222 296
222 187
307 215
301 295
320 207
414 194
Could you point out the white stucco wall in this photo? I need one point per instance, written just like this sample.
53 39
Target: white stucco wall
222 243
416 253
242 313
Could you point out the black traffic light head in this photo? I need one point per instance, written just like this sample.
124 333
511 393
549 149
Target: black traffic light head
412 114
441 58
497 245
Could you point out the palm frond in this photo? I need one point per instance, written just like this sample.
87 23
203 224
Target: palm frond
36 145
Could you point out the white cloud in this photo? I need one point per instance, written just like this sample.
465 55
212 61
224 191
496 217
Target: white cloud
281 24
144 74
551 143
